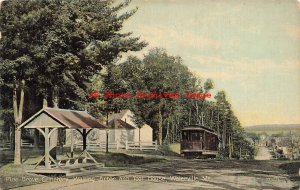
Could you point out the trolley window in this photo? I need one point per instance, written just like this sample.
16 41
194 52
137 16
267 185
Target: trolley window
192 135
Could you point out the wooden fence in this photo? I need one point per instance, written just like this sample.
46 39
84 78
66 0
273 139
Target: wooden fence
127 145
24 143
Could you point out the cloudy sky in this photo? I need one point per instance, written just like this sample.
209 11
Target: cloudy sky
251 49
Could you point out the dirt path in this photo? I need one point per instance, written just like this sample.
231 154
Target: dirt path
263 154
182 174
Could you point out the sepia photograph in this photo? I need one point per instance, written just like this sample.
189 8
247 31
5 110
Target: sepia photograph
150 94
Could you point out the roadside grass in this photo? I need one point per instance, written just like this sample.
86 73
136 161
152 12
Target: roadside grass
6 156
171 150
12 176
123 160
142 152
164 150
175 147
292 169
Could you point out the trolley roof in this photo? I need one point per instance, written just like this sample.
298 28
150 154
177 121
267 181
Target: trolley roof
198 128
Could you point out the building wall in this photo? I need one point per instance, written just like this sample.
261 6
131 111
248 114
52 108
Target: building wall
145 132
117 134
128 118
97 136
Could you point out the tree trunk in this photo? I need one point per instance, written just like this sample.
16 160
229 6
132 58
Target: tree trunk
229 146
17 160
224 141
218 125
189 116
139 135
21 105
160 127
198 120
15 107
18 113
173 130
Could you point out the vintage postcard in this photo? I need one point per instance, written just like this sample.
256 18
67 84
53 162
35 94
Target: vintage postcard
149 94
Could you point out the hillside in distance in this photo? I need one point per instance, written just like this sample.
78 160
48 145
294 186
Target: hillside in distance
273 128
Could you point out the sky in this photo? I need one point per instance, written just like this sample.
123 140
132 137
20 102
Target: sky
251 49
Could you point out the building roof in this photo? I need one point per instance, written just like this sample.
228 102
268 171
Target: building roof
119 115
54 117
119 124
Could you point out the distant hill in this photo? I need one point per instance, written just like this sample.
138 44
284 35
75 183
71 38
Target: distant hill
276 128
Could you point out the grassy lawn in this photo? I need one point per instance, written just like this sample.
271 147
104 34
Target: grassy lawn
166 150
292 169
175 147
12 176
122 160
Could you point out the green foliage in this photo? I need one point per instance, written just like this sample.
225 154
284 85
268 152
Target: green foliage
61 43
160 72
61 47
58 47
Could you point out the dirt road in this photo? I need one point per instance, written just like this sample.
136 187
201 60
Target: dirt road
263 154
182 174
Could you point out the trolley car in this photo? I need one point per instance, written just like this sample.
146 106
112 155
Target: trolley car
199 142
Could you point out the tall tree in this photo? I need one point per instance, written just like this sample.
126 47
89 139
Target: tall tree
60 43
159 73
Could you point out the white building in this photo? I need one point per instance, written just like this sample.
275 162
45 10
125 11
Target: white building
121 129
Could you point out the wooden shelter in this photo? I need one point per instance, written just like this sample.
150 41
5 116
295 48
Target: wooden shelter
47 121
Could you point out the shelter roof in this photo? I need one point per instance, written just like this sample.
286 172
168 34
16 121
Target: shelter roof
60 118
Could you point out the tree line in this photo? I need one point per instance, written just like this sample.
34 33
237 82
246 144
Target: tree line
160 72
56 52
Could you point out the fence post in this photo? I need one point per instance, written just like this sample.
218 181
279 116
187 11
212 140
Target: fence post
141 147
126 144
155 142
117 144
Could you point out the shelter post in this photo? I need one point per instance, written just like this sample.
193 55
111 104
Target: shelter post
72 143
84 139
47 148
106 141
